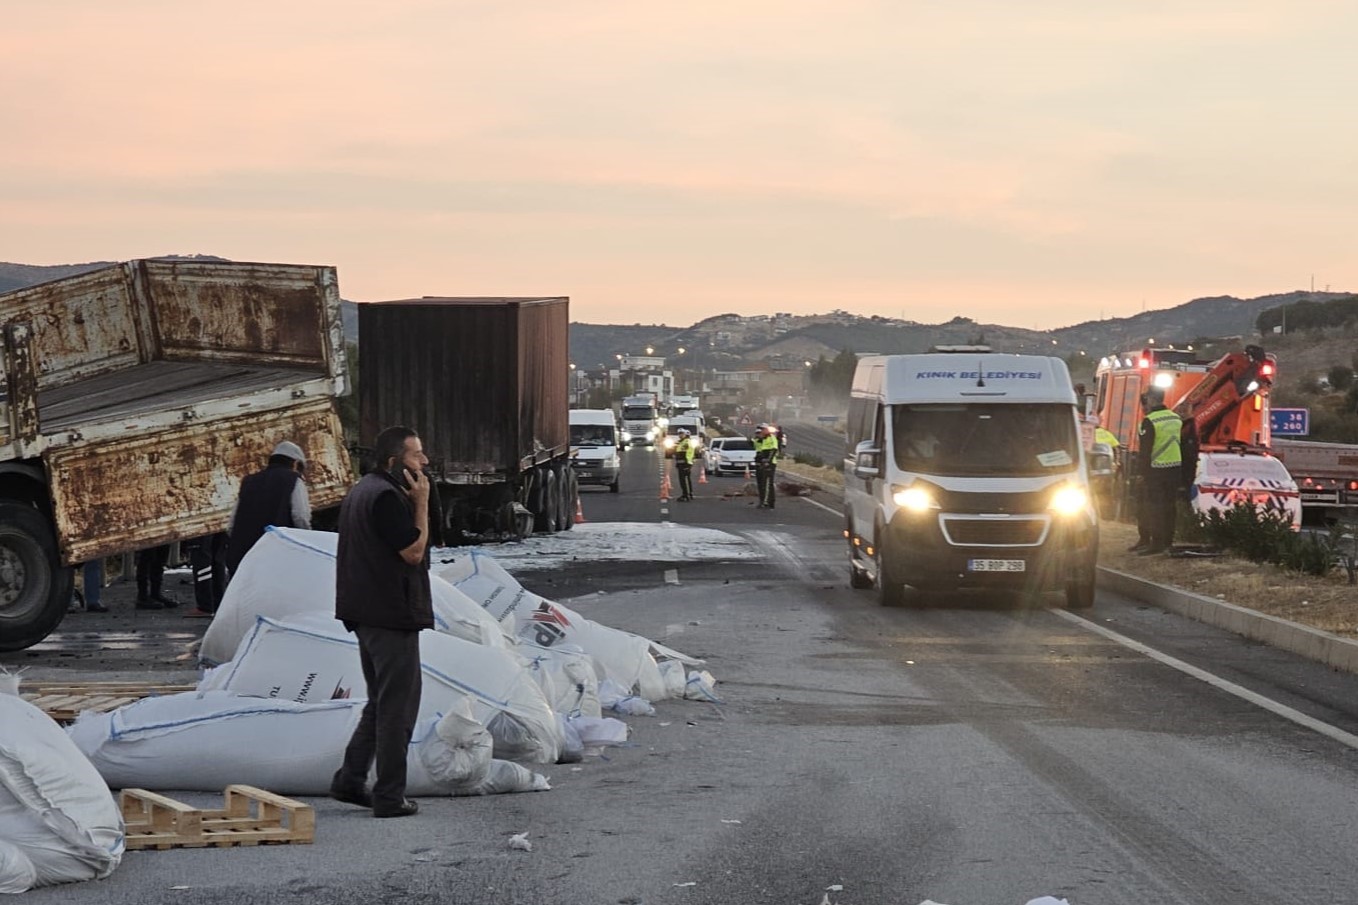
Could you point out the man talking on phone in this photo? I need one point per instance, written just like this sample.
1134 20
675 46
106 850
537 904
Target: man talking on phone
382 595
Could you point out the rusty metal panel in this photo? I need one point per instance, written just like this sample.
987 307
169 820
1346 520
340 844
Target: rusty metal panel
279 314
156 487
81 326
22 385
471 375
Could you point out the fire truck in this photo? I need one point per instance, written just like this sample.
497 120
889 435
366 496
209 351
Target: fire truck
1224 408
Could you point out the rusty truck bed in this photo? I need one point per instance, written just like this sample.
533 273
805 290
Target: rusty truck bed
156 386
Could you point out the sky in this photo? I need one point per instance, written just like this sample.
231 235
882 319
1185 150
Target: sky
1037 163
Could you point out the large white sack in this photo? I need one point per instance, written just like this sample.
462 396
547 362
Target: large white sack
315 659
17 873
624 657
290 572
573 677
205 741
54 807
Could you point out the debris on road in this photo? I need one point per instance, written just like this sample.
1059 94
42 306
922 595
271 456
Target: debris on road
519 842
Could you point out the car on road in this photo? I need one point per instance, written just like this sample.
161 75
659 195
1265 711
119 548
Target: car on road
729 455
594 447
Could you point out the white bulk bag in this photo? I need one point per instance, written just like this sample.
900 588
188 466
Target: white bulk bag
315 659
205 741
624 657
573 677
56 812
290 572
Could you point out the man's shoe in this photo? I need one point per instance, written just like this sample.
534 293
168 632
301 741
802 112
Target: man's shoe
165 600
196 613
97 608
1152 551
361 797
405 809
146 603
1138 547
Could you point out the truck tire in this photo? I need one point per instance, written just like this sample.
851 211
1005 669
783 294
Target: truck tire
545 520
35 589
572 499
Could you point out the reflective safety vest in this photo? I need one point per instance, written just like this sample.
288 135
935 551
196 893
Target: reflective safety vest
1164 451
1104 435
684 450
766 449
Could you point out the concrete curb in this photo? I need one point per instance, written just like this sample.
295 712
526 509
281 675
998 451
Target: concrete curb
1325 647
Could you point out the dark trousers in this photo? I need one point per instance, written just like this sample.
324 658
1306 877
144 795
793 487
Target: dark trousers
151 570
685 471
1141 507
391 669
207 558
763 475
1162 491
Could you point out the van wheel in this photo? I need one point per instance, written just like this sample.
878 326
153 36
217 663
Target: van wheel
858 578
890 586
35 589
1080 594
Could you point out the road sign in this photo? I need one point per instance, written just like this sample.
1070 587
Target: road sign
1290 422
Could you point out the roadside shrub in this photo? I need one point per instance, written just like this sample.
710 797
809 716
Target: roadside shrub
1255 534
1266 536
808 459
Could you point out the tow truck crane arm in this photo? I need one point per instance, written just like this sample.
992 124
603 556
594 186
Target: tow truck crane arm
1230 381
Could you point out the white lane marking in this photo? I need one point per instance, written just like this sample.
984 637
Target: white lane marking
671 576
1272 706
807 499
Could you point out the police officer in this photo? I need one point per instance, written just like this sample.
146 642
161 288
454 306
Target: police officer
766 448
683 464
1160 463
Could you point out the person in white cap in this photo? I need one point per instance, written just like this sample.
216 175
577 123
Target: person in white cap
275 496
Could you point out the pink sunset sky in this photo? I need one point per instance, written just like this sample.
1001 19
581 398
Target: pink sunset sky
1035 163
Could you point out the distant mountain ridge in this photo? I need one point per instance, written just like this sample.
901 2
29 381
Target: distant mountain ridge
728 339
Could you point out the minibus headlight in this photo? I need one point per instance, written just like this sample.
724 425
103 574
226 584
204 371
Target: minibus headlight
1069 499
914 499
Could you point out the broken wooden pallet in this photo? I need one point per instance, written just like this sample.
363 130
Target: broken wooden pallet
64 702
250 816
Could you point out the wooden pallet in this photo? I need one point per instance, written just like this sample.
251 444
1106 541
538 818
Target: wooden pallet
250 816
64 703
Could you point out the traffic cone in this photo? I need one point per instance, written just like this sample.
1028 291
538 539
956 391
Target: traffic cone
579 512
702 475
665 488
747 472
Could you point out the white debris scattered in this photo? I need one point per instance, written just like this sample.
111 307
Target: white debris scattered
519 842
736 822
689 883
835 887
620 542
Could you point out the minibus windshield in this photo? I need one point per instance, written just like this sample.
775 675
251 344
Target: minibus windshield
1015 439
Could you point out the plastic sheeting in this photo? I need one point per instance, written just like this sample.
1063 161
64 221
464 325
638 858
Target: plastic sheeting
58 821
315 659
290 572
625 658
205 741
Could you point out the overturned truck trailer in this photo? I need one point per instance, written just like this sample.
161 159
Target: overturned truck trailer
485 383
135 397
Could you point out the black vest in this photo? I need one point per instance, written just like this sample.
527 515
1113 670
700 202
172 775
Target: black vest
265 499
374 586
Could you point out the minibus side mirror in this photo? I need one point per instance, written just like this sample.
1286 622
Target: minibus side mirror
866 460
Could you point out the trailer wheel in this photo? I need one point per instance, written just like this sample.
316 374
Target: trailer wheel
35 589
544 520
571 496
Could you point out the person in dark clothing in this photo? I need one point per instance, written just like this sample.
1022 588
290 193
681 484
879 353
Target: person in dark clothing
151 564
275 496
1160 463
207 559
382 595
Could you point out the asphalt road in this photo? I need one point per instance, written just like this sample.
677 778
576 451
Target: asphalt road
979 753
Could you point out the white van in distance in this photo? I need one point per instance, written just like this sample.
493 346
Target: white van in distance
594 447
966 470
